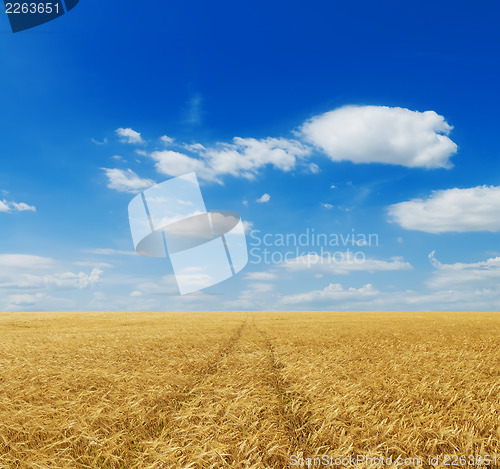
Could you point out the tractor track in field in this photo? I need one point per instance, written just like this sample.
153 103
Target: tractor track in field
225 350
291 405
188 392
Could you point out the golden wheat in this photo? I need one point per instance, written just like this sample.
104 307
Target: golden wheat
247 390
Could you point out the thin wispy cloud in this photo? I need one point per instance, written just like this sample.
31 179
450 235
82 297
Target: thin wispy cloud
193 112
97 142
110 252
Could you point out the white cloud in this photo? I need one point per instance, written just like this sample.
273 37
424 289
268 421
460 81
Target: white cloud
25 299
6 206
194 147
263 276
100 265
368 298
327 206
110 252
247 226
129 136
343 263
72 280
22 207
38 302
174 164
380 134
454 287
361 134
484 274
126 180
166 285
26 271
97 142
24 261
246 156
314 168
472 209
333 292
242 158
258 296
166 139
193 111
264 198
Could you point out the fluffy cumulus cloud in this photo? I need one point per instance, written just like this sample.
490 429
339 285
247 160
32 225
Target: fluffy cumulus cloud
264 199
6 206
126 180
379 134
460 210
244 157
343 263
129 136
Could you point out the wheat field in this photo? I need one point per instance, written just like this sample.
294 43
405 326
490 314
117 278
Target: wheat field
248 390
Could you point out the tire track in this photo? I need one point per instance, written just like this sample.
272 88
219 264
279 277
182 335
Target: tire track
178 399
292 406
182 397
226 349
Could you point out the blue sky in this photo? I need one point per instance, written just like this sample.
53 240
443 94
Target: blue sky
364 117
